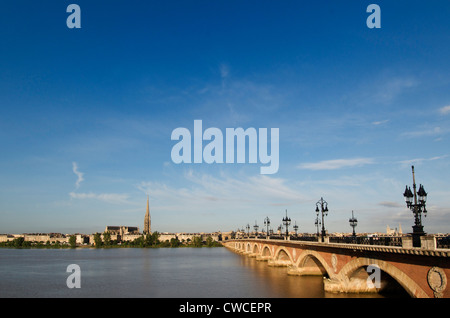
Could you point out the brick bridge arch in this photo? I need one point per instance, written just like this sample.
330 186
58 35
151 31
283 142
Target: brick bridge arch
402 278
345 266
312 263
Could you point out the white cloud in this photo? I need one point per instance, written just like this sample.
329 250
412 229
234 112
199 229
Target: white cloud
390 204
395 87
206 190
380 122
78 173
106 197
420 160
237 102
425 132
445 110
235 200
387 88
335 164
224 71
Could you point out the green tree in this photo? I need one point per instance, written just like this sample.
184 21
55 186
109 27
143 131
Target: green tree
197 241
73 241
98 240
148 241
209 241
107 238
174 242
166 243
18 242
155 238
140 241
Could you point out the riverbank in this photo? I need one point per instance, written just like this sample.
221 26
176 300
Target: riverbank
141 242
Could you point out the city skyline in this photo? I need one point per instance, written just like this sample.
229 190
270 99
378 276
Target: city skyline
87 114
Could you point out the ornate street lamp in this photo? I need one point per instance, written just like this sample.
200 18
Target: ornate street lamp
416 203
353 223
256 227
324 209
317 223
280 228
267 223
287 222
248 229
296 228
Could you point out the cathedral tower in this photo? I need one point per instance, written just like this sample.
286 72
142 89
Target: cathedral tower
147 221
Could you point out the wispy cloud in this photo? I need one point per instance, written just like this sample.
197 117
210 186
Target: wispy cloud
389 204
78 173
205 189
420 160
106 197
445 110
224 70
394 87
237 101
376 123
382 89
425 132
336 164
114 198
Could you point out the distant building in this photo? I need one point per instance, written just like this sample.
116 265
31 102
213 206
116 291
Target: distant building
395 231
122 230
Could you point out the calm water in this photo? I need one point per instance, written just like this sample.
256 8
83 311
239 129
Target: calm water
139 272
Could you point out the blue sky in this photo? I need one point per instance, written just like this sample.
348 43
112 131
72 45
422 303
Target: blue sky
87 114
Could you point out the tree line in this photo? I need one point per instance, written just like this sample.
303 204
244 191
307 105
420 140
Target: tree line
103 240
152 240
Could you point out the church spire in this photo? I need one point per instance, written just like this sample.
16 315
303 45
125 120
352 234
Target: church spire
147 220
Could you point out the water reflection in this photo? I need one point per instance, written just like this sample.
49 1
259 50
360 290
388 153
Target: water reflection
279 284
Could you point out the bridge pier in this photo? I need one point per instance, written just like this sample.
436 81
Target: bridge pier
354 285
305 271
261 258
279 263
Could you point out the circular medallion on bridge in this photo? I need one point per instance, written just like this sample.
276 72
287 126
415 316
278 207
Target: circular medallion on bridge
334 262
437 280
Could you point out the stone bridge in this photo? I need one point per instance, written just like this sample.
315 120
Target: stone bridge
355 268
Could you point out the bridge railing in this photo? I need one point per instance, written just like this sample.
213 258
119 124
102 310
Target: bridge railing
429 241
304 238
377 240
443 242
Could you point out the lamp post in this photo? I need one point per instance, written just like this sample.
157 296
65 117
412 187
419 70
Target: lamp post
287 222
296 228
417 207
353 223
317 223
248 229
256 227
267 223
324 209
280 228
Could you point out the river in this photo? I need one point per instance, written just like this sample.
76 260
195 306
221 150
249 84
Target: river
152 272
